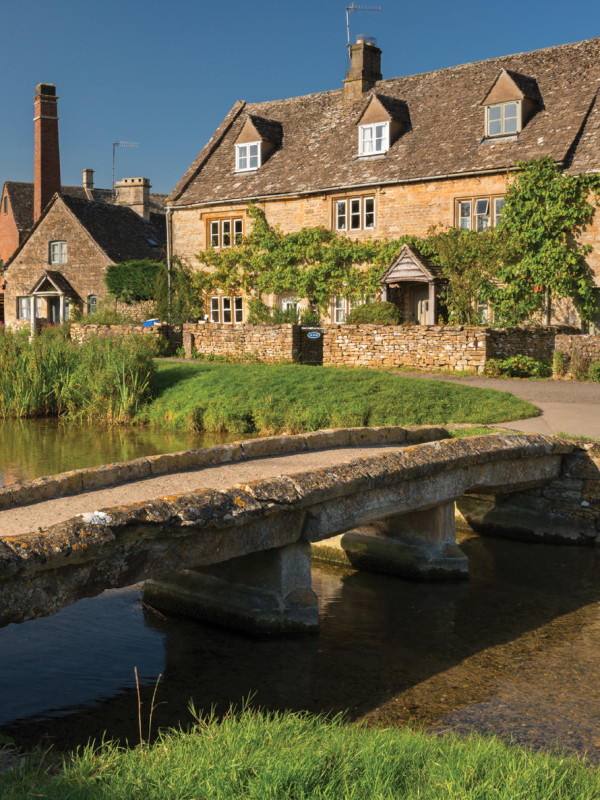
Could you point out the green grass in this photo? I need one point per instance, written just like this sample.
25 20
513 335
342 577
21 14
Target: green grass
257 756
247 398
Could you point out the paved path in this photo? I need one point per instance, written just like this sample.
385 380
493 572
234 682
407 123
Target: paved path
567 406
24 519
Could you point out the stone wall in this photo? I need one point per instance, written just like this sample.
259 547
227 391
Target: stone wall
537 342
580 351
80 332
267 343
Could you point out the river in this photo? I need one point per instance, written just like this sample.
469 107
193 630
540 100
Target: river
513 651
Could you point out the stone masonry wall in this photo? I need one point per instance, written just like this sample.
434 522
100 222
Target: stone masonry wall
537 342
586 347
80 332
267 343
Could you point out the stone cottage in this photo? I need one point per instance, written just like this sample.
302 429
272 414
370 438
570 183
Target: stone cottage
385 157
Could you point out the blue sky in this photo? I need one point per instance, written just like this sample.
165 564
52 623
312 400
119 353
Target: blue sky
164 74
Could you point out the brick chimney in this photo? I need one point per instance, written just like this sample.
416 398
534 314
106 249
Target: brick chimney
88 182
365 68
135 193
46 173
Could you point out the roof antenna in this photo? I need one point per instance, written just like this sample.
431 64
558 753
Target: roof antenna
115 145
353 7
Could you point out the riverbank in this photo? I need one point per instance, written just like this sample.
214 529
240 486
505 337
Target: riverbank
256 755
270 399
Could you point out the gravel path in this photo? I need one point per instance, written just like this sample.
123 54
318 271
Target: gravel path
24 519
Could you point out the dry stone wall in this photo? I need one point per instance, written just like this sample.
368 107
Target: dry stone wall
81 332
579 351
267 343
537 342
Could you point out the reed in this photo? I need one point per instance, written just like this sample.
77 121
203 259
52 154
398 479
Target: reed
101 380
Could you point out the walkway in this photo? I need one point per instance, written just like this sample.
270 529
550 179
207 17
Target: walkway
567 406
25 519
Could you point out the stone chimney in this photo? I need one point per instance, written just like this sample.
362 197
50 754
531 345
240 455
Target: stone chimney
88 182
365 68
135 193
46 173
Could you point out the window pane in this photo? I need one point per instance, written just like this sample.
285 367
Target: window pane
226 230
254 154
226 309
498 203
67 308
380 138
242 153
238 230
369 212
367 140
355 214
214 309
510 125
340 213
495 128
92 304
214 234
339 309
495 113
483 223
465 214
482 206
238 308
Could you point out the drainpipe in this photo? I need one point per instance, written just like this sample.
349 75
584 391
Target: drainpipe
168 220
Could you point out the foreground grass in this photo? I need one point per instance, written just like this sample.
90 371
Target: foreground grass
247 398
257 756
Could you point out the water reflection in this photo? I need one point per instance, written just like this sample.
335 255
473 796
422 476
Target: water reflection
30 448
513 651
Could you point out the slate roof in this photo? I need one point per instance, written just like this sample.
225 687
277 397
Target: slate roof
60 283
320 139
21 200
119 231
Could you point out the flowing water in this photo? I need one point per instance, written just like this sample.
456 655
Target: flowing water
513 651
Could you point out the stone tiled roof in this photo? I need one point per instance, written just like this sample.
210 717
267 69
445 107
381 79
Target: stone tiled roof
21 200
320 140
397 109
119 231
268 129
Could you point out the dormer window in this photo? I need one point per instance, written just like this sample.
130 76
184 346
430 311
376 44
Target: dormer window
247 156
503 119
374 139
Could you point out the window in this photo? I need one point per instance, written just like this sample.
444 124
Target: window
58 252
247 156
92 304
226 310
354 213
503 119
67 309
38 307
23 307
6 204
225 232
289 302
339 309
374 139
475 214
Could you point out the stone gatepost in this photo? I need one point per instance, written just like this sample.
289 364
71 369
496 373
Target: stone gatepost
266 592
419 544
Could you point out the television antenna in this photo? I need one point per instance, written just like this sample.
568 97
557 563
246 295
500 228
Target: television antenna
352 8
115 145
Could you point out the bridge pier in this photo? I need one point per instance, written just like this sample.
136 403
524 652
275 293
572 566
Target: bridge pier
418 544
265 592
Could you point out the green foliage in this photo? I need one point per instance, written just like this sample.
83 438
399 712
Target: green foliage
260 755
559 363
594 371
101 379
133 281
377 313
544 212
185 303
259 313
519 367
579 364
107 313
249 398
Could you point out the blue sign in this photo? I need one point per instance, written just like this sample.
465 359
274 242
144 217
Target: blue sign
313 335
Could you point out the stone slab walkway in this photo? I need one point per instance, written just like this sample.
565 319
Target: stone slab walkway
25 519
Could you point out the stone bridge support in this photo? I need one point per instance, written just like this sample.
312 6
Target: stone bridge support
261 592
418 544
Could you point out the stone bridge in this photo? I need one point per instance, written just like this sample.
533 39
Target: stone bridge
241 555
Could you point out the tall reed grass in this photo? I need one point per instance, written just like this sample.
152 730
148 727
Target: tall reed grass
103 379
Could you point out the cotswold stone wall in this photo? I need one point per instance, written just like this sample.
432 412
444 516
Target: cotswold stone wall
585 348
268 343
538 342
81 332
421 347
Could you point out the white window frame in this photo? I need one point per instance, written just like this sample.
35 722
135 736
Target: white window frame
287 301
498 211
238 309
339 215
366 213
503 119
369 137
92 304
340 309
219 229
482 215
469 221
214 232
57 252
215 310
245 159
226 311
24 308
238 231
348 210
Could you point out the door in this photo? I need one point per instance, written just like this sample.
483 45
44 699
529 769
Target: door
53 310
311 346
420 305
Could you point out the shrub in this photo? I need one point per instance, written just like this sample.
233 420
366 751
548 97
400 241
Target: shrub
594 371
259 313
133 281
579 366
519 367
560 362
377 313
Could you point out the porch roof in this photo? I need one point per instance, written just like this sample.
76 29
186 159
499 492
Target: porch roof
56 280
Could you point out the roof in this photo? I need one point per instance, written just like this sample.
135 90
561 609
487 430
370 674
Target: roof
21 200
267 129
119 231
422 264
58 280
320 139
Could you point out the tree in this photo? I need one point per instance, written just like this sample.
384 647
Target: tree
181 302
544 213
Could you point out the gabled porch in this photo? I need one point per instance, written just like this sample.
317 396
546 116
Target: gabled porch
51 299
412 282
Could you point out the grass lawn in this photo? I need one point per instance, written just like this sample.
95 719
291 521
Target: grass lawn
254 756
249 398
